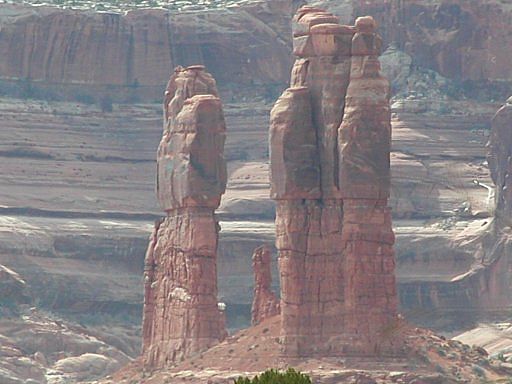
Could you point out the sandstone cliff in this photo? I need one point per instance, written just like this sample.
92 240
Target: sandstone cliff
134 52
181 313
245 47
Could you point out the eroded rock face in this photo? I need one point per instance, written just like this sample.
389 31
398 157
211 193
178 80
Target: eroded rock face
181 312
330 138
191 166
459 39
500 161
136 50
265 303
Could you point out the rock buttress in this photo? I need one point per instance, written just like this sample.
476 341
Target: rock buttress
329 150
181 312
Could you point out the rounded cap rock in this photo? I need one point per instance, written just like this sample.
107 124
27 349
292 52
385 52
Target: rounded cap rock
366 24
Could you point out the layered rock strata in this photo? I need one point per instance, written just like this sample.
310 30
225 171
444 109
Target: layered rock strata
132 52
265 303
330 137
181 312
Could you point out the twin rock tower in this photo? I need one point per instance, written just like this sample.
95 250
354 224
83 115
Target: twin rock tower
330 137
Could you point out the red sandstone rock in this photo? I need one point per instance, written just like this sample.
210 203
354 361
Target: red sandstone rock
295 159
265 303
191 165
333 225
365 138
460 39
137 49
181 313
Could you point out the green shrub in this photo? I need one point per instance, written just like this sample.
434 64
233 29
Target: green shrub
272 376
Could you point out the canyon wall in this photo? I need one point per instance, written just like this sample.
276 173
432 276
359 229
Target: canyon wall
245 47
330 139
135 52
181 313
463 40
483 286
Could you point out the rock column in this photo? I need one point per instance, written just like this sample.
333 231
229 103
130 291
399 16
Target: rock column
304 183
181 313
321 128
364 172
265 303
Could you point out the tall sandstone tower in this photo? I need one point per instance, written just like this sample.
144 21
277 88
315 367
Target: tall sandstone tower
330 138
181 314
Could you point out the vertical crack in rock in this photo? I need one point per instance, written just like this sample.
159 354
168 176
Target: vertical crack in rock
330 137
181 312
265 303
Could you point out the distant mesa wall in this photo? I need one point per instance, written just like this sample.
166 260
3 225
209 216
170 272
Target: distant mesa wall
485 287
246 48
243 46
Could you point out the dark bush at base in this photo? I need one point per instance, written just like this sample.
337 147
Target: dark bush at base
273 376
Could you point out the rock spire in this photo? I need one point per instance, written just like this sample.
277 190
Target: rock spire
265 303
181 312
330 137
